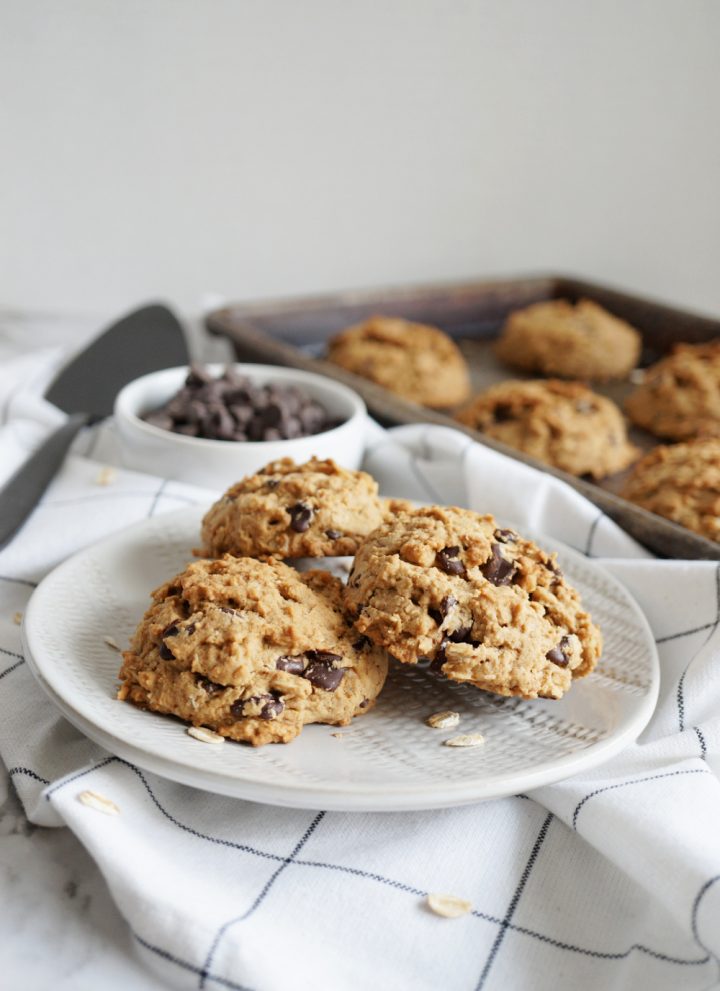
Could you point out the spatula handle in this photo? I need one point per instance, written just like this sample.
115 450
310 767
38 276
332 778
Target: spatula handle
22 492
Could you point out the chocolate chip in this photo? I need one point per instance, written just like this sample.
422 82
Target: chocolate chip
362 643
502 413
497 570
272 483
448 560
316 666
439 658
188 429
160 420
447 603
231 408
271 707
292 663
197 376
364 704
271 416
333 534
171 631
324 656
461 635
300 516
324 677
320 671
557 654
166 653
506 536
211 687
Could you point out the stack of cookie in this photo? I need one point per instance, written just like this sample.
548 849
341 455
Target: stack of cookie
562 423
249 646
558 419
679 400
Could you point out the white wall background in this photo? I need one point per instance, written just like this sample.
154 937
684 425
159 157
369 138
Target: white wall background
271 147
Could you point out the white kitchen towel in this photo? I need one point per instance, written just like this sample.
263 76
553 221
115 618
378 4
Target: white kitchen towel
610 880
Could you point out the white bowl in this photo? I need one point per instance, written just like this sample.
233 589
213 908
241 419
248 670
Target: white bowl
217 464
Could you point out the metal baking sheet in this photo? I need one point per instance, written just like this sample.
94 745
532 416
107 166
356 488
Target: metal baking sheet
293 332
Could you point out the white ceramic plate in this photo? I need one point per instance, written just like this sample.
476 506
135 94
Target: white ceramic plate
388 760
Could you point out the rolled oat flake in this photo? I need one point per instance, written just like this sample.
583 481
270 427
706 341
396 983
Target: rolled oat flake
94 800
204 735
466 740
443 720
449 906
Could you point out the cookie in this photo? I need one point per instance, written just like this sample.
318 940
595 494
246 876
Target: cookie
682 483
680 395
315 509
253 650
563 424
413 360
580 340
486 606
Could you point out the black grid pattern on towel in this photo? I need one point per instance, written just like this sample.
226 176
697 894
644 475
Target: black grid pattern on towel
292 862
712 627
505 923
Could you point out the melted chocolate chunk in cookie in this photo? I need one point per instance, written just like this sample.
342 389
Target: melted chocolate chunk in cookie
261 706
292 663
557 654
211 687
301 515
497 570
320 671
447 559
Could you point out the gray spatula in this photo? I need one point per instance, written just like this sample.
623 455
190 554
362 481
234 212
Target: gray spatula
144 341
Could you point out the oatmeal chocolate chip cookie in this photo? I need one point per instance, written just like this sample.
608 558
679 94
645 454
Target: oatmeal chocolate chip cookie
682 483
573 341
483 604
680 395
316 509
252 650
564 424
418 362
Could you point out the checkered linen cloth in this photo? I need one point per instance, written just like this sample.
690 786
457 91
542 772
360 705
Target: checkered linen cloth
607 880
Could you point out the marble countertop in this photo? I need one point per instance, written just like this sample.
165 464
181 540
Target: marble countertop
60 927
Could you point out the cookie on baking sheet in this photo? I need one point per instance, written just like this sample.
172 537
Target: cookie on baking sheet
682 483
413 360
486 606
564 424
680 395
253 650
315 509
580 340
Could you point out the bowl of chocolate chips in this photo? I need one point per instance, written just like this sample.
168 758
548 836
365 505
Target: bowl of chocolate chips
210 425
